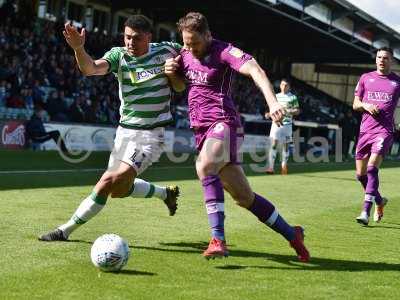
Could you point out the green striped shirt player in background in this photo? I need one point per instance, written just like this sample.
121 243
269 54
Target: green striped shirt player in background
145 93
281 136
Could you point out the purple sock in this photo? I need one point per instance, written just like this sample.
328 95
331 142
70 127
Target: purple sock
214 200
368 199
364 179
266 213
373 184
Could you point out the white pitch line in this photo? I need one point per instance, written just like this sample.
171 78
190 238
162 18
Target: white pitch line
75 170
49 171
102 170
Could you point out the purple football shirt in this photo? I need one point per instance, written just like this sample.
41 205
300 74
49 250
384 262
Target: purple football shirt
209 84
384 92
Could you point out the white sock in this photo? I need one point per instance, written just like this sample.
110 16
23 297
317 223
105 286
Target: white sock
272 157
144 189
88 208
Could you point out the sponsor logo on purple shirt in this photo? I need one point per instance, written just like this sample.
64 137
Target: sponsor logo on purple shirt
209 83
382 91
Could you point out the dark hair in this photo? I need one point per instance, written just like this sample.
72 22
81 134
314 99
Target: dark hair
193 21
286 80
387 49
139 22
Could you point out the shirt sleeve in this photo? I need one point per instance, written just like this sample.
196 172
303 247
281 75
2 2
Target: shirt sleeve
359 91
234 57
113 57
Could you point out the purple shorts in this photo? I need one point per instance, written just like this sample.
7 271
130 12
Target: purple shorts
222 131
378 143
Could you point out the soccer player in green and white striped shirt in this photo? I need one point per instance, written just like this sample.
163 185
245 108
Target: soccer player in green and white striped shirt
144 92
282 135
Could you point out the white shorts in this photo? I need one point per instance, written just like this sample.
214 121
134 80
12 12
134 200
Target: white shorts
283 134
137 147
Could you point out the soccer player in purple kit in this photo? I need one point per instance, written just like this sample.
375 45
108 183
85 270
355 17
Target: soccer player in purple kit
376 96
208 65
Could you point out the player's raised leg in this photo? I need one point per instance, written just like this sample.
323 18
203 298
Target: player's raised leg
140 149
235 182
145 189
116 183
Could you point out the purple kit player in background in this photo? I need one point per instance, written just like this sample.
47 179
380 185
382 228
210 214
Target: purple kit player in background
376 96
208 65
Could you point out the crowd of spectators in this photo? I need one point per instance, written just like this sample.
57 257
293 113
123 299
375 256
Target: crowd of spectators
247 96
37 68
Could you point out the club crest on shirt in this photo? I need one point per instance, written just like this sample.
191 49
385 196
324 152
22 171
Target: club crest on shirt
371 80
236 52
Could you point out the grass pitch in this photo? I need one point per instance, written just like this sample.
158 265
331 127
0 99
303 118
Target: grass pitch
348 261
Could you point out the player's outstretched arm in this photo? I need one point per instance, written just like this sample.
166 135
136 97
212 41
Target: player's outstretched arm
86 64
252 68
170 68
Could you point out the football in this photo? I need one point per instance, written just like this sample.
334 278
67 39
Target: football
110 253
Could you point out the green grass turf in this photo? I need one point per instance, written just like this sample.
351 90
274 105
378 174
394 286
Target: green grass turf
348 261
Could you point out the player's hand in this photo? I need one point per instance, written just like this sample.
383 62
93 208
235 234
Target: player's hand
171 66
74 39
267 115
277 112
371 108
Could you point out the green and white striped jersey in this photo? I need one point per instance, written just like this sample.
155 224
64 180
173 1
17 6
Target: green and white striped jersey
288 100
143 87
